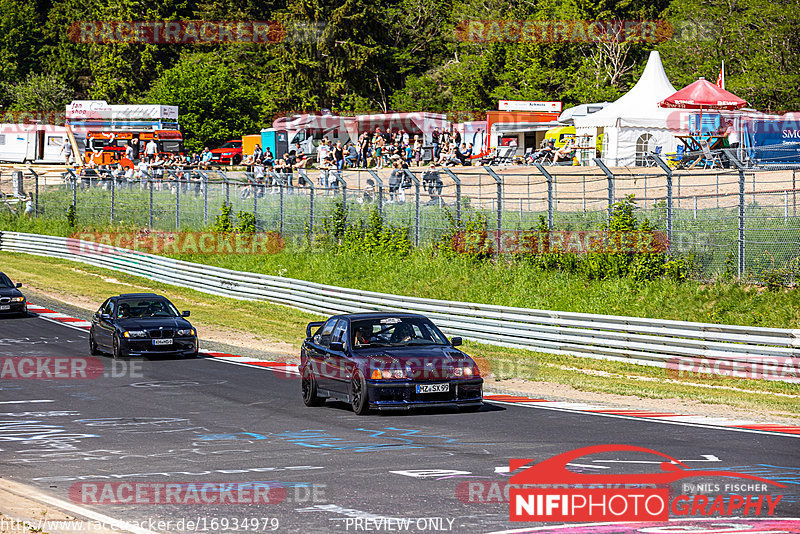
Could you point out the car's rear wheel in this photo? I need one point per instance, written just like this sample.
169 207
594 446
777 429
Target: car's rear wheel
359 398
309 386
93 350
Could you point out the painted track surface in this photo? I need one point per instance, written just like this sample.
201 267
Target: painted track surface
206 420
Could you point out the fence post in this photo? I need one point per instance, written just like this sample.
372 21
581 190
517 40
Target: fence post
610 177
668 171
379 183
113 200
227 189
150 187
312 194
499 203
457 181
280 207
36 191
204 178
416 205
549 179
741 247
177 204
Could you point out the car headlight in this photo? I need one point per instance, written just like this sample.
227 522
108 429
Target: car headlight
134 333
466 371
17 299
388 374
186 332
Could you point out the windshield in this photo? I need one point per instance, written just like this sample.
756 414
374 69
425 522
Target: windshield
129 308
395 331
5 281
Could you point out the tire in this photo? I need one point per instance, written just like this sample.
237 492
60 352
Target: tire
309 387
115 349
359 397
93 350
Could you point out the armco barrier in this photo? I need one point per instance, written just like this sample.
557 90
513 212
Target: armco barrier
633 339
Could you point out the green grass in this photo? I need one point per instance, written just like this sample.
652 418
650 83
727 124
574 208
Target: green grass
265 321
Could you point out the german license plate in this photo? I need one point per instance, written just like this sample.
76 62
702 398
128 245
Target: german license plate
165 341
433 388
5 307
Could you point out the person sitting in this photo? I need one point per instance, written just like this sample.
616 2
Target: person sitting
403 333
565 152
546 151
124 311
362 336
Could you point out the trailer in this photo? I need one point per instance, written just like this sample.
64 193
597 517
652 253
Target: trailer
34 143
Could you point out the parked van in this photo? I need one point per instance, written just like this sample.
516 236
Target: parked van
33 143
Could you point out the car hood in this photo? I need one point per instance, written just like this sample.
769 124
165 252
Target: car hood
433 362
149 323
10 292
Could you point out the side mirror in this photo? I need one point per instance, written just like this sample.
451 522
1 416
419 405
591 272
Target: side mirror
19 284
186 313
456 341
337 346
105 316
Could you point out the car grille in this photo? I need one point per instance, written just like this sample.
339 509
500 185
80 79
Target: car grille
5 300
156 334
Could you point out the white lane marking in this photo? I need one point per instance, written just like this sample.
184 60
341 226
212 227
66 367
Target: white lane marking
671 421
26 401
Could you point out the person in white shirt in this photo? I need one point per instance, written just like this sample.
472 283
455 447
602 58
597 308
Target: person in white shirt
151 149
322 151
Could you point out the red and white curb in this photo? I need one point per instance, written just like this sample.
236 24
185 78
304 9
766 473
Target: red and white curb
290 370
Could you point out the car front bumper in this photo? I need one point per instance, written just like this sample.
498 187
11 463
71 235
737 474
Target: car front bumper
144 347
13 307
403 395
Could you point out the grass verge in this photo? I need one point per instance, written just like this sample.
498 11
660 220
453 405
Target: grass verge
281 324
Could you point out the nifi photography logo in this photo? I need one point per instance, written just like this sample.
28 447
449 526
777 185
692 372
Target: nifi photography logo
549 491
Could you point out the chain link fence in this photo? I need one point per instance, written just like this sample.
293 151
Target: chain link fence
735 221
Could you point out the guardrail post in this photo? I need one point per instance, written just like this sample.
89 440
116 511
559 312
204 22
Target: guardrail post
550 202
379 184
668 171
499 182
311 199
227 189
457 181
416 204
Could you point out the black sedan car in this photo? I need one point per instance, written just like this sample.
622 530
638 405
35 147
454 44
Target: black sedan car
11 299
141 324
386 361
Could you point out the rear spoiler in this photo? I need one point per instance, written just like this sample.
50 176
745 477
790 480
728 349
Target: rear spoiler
310 327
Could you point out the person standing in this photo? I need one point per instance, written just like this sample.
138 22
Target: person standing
66 151
379 143
151 149
435 137
338 156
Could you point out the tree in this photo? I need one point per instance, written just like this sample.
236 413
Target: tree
39 92
216 96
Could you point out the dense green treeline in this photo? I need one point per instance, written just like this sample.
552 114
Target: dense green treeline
366 55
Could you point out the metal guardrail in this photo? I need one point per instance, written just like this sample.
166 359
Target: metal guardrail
632 339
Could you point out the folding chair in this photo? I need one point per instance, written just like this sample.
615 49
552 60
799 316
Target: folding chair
674 159
709 158
650 160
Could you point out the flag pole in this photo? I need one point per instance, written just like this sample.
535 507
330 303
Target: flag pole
723 74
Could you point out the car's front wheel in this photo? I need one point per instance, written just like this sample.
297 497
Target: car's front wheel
115 351
93 350
309 386
359 398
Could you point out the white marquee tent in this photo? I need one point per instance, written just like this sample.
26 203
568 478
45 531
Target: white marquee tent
633 125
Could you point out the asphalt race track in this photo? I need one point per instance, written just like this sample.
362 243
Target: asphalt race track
203 421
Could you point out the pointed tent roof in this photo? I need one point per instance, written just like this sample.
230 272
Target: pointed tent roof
639 106
703 94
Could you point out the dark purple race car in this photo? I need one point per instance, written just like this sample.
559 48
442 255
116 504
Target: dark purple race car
386 361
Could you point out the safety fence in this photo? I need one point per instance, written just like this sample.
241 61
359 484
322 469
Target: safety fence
731 221
655 342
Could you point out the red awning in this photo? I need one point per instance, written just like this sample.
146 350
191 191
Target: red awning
703 94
